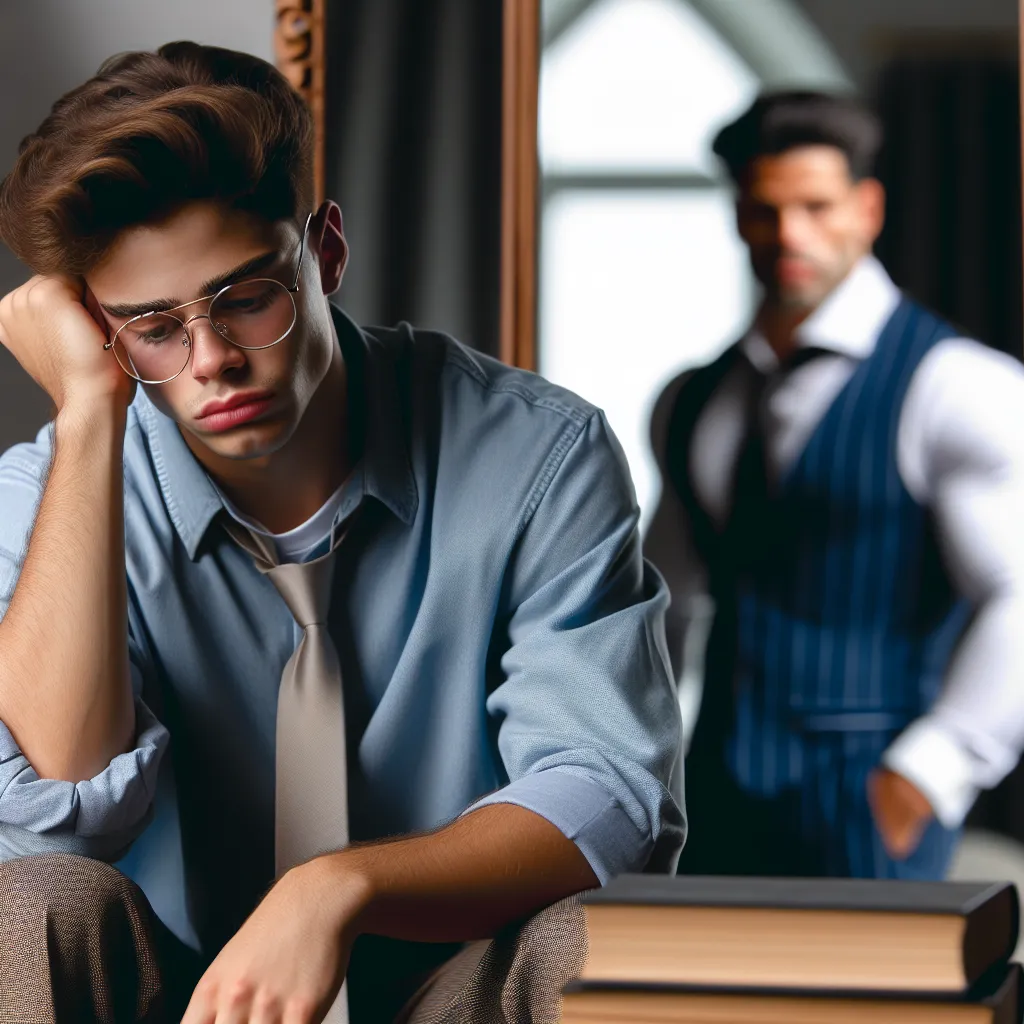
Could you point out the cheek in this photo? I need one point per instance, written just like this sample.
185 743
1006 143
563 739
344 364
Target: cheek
271 366
844 230
311 359
175 398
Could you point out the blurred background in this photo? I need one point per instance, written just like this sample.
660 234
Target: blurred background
640 271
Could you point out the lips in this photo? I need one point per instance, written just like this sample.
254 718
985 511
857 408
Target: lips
236 401
225 413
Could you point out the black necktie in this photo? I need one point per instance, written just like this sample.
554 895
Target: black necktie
755 520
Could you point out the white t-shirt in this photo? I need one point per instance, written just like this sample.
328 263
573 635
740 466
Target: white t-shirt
301 543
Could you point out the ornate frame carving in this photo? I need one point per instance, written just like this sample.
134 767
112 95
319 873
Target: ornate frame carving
299 53
519 177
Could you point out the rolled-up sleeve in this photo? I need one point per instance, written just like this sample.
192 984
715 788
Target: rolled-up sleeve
588 725
97 817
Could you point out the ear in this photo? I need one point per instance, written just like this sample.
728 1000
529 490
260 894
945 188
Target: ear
740 217
327 241
871 197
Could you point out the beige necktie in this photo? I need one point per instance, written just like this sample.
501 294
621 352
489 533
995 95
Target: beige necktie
311 791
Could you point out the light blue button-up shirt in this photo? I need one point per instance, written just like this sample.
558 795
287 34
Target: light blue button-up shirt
500 636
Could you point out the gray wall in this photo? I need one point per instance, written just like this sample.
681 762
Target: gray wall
49 46
862 31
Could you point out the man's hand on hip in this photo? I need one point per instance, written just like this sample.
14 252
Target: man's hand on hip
901 811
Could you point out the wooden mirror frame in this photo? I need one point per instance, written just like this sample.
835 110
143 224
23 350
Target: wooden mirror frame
299 52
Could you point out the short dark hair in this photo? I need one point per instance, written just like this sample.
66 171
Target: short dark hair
780 121
147 133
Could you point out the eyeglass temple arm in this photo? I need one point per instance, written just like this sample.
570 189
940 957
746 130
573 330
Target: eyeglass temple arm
302 246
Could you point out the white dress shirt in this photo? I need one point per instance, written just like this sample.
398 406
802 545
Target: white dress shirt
960 453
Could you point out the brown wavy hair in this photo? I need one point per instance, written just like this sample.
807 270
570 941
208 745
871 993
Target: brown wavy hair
148 133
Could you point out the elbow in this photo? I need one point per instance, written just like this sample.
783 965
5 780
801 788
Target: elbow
98 817
81 762
109 847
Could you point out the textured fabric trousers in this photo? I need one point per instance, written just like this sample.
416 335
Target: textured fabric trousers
79 942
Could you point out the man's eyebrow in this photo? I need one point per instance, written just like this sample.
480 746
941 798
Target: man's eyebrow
122 310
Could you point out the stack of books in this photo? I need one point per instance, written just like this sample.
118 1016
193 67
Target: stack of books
697 950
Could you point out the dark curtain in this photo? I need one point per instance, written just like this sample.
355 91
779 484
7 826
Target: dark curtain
951 166
413 155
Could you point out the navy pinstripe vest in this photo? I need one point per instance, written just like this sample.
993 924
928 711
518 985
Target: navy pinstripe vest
839 617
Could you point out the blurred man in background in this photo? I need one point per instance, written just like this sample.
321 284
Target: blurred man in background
846 482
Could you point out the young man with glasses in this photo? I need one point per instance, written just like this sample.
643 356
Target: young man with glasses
356 610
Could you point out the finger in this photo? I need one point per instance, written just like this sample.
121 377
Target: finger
266 1010
235 1013
902 846
902 836
92 304
200 1010
301 1011
235 1002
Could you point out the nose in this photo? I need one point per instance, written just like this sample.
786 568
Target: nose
212 355
791 228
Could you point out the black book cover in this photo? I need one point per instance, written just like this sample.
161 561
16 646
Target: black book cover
870 894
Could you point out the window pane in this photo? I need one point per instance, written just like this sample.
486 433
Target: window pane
636 286
638 84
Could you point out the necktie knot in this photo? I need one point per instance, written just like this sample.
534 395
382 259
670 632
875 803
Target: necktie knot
306 588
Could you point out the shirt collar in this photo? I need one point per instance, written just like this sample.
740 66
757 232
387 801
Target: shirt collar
848 322
376 421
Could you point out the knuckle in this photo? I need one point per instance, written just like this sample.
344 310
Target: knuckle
206 990
301 1008
266 1003
239 992
35 285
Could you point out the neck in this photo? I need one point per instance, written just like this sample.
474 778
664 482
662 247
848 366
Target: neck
286 488
778 324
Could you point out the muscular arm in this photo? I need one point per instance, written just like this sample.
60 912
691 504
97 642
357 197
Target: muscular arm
65 691
970 471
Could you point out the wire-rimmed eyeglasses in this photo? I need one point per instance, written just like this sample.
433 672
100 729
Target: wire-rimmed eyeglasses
253 314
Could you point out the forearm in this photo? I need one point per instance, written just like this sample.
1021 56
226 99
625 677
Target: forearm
496 865
65 693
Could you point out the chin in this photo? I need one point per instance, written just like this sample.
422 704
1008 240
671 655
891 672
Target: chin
807 298
254 441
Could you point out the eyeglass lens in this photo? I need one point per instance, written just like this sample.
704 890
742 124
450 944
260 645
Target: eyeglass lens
251 315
